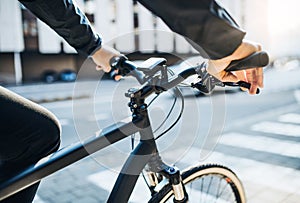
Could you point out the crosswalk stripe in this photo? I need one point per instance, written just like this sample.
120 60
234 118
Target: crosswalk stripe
297 96
98 117
105 180
277 128
64 122
290 118
37 199
259 143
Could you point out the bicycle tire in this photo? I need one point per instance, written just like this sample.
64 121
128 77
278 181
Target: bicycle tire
214 171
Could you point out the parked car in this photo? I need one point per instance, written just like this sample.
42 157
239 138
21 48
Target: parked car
67 75
49 76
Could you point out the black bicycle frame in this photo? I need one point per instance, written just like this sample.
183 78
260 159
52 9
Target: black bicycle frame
66 156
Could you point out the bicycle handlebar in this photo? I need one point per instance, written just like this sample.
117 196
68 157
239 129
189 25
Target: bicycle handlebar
126 67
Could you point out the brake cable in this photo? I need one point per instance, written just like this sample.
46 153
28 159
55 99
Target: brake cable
177 94
164 121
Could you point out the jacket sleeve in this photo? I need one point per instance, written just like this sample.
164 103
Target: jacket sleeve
205 24
65 17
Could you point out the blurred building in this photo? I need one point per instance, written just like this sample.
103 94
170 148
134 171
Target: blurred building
28 47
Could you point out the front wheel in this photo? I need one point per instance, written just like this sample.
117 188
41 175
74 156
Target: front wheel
207 183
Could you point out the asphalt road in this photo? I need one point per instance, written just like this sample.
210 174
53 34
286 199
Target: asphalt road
258 137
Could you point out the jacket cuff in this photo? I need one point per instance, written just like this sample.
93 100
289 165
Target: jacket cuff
94 45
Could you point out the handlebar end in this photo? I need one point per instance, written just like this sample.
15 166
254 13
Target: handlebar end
257 59
116 61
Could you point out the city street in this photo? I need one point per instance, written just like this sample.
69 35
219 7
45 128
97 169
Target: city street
48 54
258 137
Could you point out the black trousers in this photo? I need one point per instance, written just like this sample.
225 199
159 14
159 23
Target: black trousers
28 132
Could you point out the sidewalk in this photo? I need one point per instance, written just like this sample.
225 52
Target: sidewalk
45 93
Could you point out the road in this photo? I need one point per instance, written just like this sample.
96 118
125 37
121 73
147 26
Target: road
258 137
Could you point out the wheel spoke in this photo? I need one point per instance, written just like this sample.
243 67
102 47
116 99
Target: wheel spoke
201 194
208 189
223 189
218 190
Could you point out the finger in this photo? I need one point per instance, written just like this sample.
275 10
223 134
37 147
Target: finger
106 69
118 77
253 88
103 68
260 75
241 75
98 68
252 78
229 77
244 89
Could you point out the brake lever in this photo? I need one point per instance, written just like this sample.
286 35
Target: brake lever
240 84
208 82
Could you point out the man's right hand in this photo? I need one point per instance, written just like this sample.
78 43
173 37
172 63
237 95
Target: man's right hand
254 76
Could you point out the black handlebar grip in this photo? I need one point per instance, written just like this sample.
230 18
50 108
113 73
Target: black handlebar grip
257 59
126 67
115 62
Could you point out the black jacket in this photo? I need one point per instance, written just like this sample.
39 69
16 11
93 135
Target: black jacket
68 21
206 25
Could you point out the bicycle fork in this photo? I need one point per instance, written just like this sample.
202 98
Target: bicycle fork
156 169
155 165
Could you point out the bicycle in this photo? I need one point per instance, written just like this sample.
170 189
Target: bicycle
207 183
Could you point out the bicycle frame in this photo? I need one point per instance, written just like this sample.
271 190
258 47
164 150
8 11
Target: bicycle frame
66 156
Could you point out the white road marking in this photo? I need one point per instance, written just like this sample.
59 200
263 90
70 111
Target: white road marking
64 122
105 180
78 102
297 96
98 117
37 199
264 144
290 118
277 128
263 116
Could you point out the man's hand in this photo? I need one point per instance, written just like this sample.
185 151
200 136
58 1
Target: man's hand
254 76
102 57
